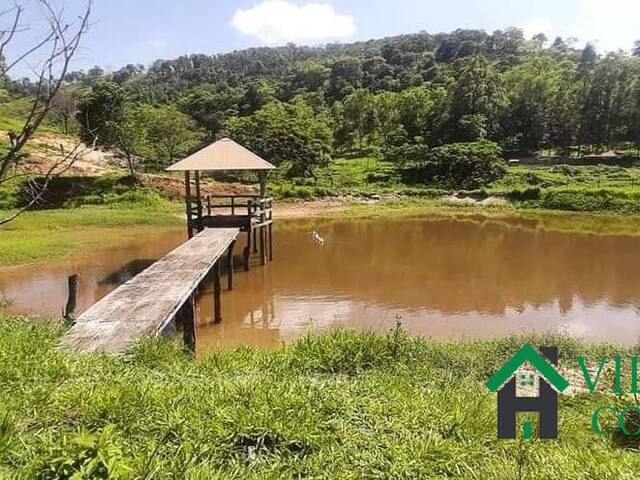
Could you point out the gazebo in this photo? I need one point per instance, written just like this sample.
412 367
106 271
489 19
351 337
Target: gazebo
250 213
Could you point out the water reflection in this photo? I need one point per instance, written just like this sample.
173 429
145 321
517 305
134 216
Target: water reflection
444 277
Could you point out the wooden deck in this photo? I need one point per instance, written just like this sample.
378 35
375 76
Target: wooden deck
147 304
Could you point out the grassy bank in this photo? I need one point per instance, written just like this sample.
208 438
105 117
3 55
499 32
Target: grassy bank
597 188
344 405
53 234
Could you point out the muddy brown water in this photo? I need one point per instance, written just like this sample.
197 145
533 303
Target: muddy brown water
441 276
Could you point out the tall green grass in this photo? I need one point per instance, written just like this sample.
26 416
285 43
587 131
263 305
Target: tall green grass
345 405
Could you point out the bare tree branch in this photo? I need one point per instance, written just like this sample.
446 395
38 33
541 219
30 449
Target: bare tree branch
62 40
36 189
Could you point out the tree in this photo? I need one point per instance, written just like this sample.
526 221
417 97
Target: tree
102 106
562 105
64 107
386 105
285 133
633 113
171 133
345 77
420 111
529 88
129 135
477 90
359 115
108 115
211 106
602 105
55 50
94 75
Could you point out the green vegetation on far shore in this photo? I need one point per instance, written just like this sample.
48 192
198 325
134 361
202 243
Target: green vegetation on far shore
343 405
597 188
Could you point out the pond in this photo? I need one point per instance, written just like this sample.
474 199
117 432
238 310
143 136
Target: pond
440 276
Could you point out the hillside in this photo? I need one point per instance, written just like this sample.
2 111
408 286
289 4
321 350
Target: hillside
420 114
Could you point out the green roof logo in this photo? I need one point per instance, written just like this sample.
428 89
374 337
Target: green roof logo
527 354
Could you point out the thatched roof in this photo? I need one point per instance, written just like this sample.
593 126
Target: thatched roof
225 154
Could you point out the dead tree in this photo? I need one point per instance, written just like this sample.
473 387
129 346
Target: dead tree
52 54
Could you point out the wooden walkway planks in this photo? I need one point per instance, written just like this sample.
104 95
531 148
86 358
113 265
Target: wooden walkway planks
146 304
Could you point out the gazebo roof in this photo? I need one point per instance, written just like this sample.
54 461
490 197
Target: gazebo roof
225 154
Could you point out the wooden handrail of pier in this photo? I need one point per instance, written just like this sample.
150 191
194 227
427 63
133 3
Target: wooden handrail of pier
147 304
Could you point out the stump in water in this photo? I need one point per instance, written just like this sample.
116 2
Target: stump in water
72 299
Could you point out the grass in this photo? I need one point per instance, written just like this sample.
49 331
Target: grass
344 405
14 111
53 234
597 188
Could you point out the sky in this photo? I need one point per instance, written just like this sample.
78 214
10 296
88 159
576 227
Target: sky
140 31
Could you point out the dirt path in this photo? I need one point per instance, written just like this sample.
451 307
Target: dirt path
310 208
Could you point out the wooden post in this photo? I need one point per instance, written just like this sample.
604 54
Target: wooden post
189 324
208 205
270 218
262 205
72 298
230 265
233 205
187 199
199 201
247 251
263 238
262 175
217 293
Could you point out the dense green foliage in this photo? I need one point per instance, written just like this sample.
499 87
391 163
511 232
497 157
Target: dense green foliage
415 92
160 134
282 132
468 165
345 405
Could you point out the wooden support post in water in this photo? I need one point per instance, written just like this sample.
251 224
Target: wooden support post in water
270 242
189 324
255 240
230 265
263 238
187 199
262 205
199 201
247 251
217 293
72 298
208 205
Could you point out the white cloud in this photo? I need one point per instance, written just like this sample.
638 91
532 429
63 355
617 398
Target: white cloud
537 25
279 21
610 24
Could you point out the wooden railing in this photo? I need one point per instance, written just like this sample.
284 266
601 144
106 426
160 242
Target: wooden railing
250 205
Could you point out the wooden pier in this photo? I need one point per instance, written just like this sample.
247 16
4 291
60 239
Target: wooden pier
149 303
152 302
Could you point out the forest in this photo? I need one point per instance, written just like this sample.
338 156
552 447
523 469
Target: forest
445 104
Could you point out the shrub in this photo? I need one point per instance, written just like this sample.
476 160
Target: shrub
524 194
468 165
